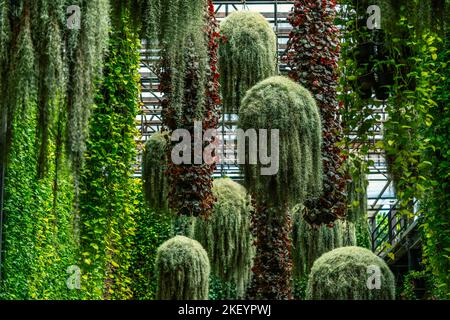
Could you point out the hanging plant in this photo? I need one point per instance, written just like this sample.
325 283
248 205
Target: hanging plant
108 193
310 242
227 239
342 274
154 168
280 103
357 200
187 35
247 55
183 270
37 244
312 54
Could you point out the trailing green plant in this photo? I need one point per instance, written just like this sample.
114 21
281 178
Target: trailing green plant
108 199
183 270
153 227
310 242
357 201
312 54
186 32
247 55
38 244
412 49
227 238
436 244
154 168
344 274
278 103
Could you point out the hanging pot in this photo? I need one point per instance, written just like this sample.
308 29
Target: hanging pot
365 85
384 79
365 52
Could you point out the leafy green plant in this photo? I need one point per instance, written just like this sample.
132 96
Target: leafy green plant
342 274
38 242
247 55
108 196
279 103
227 238
183 270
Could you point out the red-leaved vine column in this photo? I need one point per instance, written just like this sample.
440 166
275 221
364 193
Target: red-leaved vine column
312 55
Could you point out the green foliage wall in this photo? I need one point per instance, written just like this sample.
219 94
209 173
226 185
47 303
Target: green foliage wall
153 227
280 103
108 196
436 218
183 270
247 55
226 237
38 242
342 274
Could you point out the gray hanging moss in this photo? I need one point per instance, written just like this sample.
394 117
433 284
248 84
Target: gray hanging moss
310 242
226 236
344 274
176 26
280 103
246 56
183 270
154 166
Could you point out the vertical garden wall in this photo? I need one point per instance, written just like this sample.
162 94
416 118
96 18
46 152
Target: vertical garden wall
80 220
38 157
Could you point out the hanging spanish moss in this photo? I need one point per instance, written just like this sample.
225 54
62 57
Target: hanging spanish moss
350 273
312 54
226 237
38 240
85 57
310 242
154 168
183 270
186 33
247 55
67 63
279 103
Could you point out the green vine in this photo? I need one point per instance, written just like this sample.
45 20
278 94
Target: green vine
108 196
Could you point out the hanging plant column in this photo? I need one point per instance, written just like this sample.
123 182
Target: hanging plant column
279 103
188 33
312 54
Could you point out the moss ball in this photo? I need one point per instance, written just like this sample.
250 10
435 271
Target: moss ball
183 270
280 103
226 236
349 273
246 56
